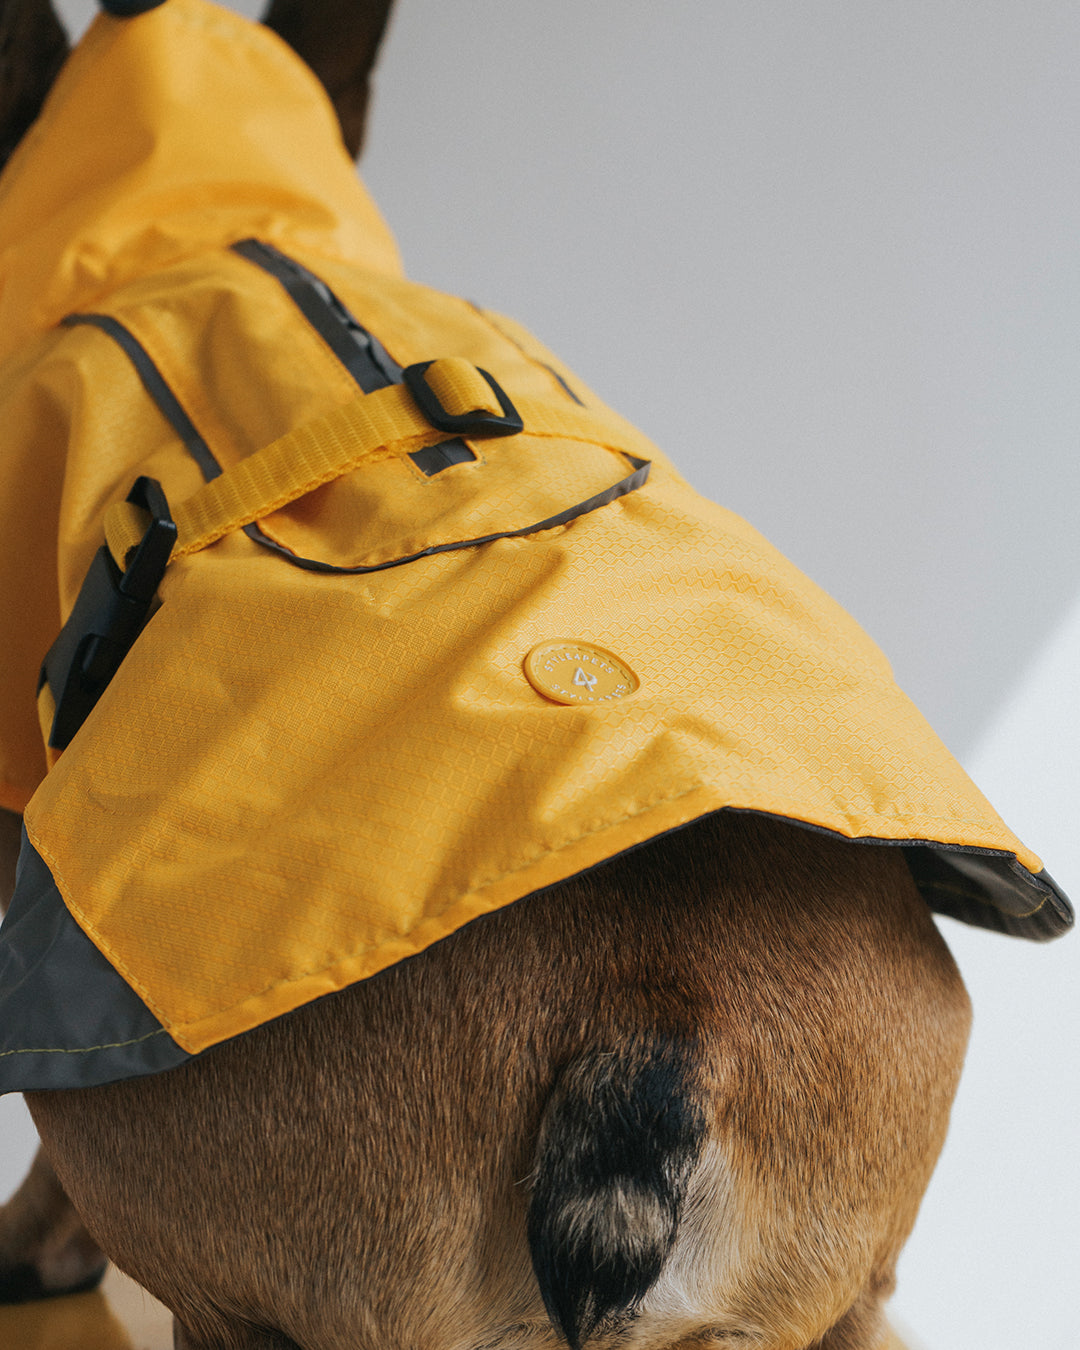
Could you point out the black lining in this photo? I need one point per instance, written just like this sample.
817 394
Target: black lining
88 1025
984 887
991 890
360 352
53 980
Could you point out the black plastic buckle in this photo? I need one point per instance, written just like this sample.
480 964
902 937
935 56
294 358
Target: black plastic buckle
479 422
109 614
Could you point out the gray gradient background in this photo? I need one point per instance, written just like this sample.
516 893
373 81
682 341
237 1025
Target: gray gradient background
825 254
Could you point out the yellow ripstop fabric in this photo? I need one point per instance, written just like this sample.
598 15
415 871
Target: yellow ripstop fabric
299 777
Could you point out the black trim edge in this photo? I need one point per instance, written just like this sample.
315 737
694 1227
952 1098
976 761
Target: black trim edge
128 9
984 887
360 352
58 990
154 383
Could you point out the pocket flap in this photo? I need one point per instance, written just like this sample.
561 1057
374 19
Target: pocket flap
456 494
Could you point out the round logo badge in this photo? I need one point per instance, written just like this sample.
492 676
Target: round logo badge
578 672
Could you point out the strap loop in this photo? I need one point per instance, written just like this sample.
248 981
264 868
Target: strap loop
458 397
460 387
125 527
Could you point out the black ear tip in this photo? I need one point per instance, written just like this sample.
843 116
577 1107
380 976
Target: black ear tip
124 9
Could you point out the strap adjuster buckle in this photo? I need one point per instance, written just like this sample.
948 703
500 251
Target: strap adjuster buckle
476 421
110 612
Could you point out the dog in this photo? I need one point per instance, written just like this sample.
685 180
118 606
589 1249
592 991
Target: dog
683 1081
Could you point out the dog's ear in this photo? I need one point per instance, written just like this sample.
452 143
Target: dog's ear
339 39
33 47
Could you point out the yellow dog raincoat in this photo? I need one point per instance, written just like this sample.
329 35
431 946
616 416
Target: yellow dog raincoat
361 616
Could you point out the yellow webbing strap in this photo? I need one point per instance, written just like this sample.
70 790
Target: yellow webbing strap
374 426
460 387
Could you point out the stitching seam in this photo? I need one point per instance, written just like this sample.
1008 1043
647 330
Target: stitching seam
85 1049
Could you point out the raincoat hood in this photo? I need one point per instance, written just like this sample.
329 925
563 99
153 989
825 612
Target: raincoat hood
160 139
430 627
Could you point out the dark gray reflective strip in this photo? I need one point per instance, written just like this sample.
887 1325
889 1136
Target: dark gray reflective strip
67 1018
360 352
154 384
379 371
171 408
990 890
492 321
566 388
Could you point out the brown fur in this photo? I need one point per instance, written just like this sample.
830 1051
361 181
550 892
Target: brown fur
339 40
370 1171
33 46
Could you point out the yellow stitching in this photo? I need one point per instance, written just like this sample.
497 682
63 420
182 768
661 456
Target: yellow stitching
86 1049
478 890
106 950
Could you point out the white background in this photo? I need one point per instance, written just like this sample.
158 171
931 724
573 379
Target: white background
825 254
